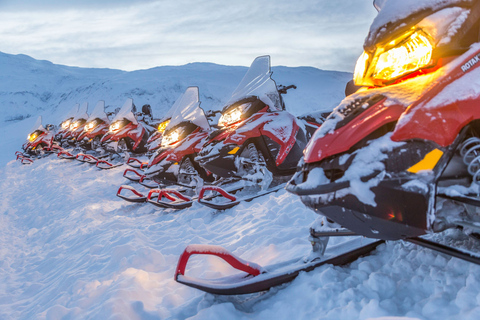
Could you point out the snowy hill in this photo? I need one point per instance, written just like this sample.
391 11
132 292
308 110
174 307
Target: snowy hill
71 249
30 87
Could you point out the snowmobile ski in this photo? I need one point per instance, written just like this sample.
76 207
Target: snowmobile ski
233 201
64 154
105 165
86 158
138 198
137 164
260 278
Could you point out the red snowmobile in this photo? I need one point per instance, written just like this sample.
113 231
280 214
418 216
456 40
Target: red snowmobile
128 132
173 164
154 143
75 129
400 157
40 143
61 135
257 140
95 128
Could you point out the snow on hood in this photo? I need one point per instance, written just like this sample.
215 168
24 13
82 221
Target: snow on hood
38 125
99 112
82 112
258 82
402 15
127 112
188 109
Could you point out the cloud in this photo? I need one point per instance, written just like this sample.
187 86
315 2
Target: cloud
319 33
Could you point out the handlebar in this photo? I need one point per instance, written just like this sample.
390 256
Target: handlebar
283 89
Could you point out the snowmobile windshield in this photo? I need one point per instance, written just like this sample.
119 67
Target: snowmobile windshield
70 115
188 110
82 113
127 112
257 82
99 113
168 116
38 125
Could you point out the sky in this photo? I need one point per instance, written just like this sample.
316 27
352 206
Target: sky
142 34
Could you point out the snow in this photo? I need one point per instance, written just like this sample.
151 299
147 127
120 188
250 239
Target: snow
71 249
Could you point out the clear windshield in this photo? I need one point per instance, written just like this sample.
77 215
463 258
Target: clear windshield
258 82
82 112
38 125
170 112
72 112
127 112
188 109
99 112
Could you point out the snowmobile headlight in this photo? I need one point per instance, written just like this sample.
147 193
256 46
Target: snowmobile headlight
74 126
233 115
92 124
32 136
117 125
162 126
399 57
66 124
171 138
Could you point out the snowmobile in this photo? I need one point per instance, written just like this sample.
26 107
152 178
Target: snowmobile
128 132
173 165
70 136
95 128
397 159
40 143
64 127
257 140
154 142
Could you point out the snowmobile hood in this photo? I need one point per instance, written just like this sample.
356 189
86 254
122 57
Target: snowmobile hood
188 109
99 112
396 17
258 82
82 112
127 112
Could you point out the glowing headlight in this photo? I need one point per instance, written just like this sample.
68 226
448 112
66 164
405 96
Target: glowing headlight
233 115
397 59
32 136
171 138
117 125
75 125
90 125
66 124
163 125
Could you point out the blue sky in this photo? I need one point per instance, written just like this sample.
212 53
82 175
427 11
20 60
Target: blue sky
132 35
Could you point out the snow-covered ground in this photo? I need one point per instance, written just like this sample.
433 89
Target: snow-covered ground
70 249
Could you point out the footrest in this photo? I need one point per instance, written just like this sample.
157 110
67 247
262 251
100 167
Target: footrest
139 196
